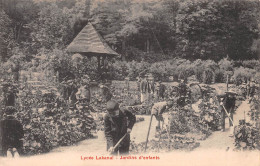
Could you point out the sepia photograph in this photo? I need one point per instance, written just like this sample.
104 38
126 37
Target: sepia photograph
129 82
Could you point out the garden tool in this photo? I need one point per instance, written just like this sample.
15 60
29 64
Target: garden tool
228 115
148 133
117 144
232 127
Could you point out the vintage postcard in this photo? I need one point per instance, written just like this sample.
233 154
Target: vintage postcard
129 82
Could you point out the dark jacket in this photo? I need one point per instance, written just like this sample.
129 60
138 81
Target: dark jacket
11 131
152 87
252 90
116 128
10 99
228 102
162 89
144 86
183 89
107 95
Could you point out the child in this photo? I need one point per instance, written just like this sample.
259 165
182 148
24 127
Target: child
11 133
117 124
158 109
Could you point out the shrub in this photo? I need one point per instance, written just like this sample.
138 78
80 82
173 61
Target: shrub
225 64
135 68
134 54
58 61
219 76
48 124
198 69
252 64
159 71
243 74
246 136
204 70
185 69
170 68
208 76
119 70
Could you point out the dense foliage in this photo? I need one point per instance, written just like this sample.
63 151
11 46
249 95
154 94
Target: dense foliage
206 71
48 121
147 30
246 136
152 36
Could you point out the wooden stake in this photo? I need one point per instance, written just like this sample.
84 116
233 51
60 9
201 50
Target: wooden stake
227 81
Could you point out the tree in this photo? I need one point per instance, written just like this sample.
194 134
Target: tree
20 14
79 15
5 36
216 29
108 19
52 29
135 29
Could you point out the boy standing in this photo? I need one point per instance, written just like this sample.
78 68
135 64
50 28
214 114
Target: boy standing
11 132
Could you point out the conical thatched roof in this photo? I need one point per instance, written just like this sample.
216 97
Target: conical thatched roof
89 42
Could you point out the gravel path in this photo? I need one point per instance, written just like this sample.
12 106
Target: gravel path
98 144
65 156
220 140
91 147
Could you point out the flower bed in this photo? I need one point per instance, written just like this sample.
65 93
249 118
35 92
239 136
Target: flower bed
210 115
185 120
254 109
52 124
177 142
246 136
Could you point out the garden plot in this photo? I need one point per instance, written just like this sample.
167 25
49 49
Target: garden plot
50 122
188 126
247 134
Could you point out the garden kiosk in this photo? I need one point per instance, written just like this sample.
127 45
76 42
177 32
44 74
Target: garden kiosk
90 43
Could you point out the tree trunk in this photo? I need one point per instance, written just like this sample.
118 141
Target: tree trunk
103 61
147 46
3 51
98 60
123 49
19 31
227 81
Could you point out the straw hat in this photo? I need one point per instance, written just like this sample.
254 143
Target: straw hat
231 92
